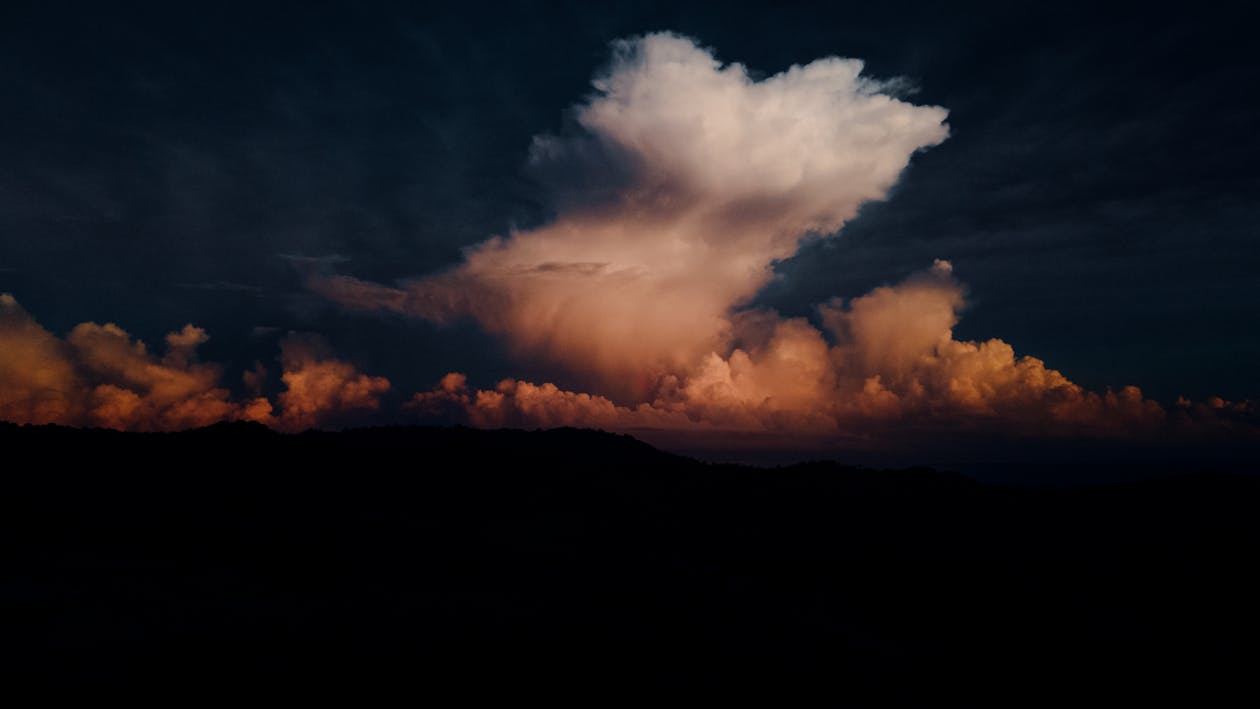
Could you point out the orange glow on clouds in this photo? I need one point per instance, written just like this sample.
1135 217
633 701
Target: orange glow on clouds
690 180
99 376
894 360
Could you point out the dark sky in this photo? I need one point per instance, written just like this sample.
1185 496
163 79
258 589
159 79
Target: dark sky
189 163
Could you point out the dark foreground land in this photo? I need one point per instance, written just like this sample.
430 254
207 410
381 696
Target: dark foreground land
581 563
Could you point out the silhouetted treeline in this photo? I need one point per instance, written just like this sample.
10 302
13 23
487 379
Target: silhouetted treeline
581 563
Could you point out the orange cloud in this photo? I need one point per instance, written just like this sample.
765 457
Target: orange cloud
523 404
888 358
99 376
318 386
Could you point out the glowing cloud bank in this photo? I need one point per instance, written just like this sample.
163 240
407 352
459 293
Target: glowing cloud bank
894 361
99 376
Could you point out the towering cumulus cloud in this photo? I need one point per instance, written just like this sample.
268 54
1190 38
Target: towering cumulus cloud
688 180
99 376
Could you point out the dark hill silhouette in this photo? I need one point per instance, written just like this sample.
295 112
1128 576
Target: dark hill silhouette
581 562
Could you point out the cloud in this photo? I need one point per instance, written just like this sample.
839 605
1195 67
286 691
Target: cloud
303 259
38 382
319 387
98 375
223 286
686 182
886 361
524 404
714 177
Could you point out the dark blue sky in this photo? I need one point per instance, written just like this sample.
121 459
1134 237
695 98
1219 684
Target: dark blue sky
168 165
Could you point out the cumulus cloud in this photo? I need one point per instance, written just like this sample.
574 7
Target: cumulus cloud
318 385
98 375
887 359
38 382
711 176
686 182
521 404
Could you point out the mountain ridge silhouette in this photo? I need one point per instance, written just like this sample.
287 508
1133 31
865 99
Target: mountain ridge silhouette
415 558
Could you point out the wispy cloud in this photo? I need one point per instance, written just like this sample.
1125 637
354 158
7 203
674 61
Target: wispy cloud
226 286
324 260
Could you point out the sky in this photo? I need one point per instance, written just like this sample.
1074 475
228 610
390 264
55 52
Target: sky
809 227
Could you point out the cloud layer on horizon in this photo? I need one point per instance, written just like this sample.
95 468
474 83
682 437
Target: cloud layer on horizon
886 359
99 376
